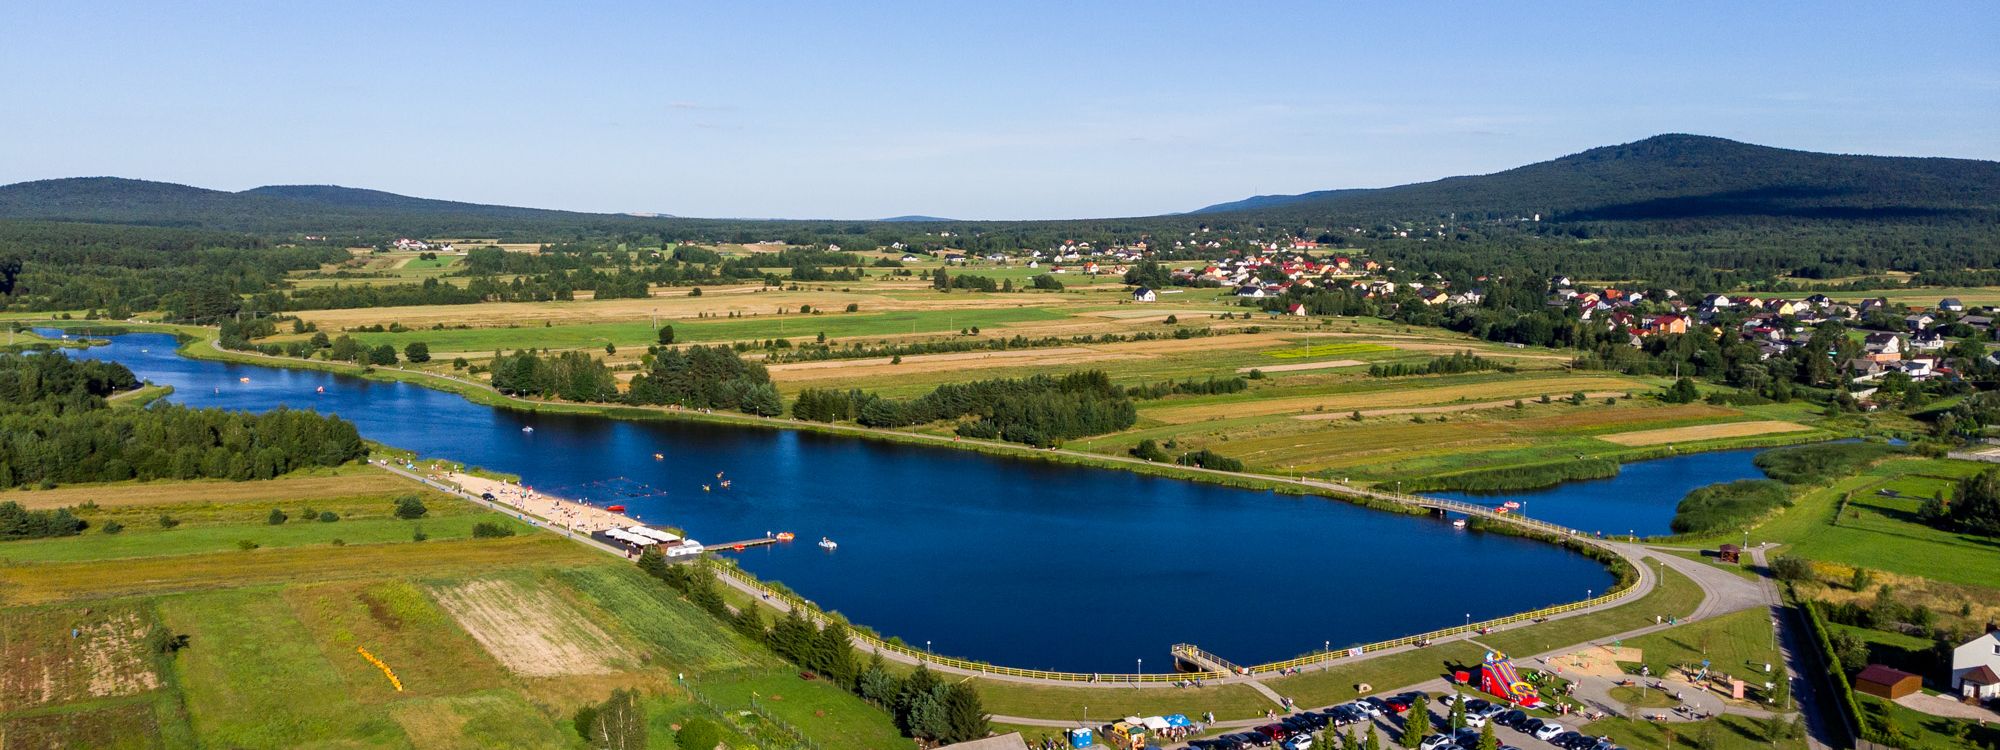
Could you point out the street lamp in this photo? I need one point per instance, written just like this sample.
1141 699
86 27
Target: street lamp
1326 645
1142 666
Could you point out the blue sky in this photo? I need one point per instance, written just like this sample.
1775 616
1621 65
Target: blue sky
958 109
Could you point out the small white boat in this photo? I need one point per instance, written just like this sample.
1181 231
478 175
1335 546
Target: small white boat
1458 523
826 543
527 429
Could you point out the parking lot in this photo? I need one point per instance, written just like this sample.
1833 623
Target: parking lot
1513 728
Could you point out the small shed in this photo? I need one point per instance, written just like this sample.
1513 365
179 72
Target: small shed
1729 553
1886 682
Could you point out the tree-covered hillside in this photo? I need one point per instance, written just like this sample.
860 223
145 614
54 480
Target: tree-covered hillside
1670 177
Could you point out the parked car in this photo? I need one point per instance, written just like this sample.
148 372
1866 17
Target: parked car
1345 714
1252 739
1531 725
1490 710
1435 742
1571 740
1298 742
1397 704
1276 731
1546 730
1379 707
1474 720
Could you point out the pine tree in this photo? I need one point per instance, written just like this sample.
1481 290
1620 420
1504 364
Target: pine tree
1457 718
1373 742
1416 722
965 718
1486 739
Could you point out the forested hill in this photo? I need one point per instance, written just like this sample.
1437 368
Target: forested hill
278 208
1670 177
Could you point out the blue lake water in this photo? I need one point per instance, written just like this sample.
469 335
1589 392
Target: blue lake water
1640 499
1017 562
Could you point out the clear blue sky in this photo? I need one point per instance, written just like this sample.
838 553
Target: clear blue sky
958 109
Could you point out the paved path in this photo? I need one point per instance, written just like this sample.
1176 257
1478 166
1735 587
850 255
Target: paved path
1799 661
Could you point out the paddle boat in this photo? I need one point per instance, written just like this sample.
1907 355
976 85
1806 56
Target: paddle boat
244 379
826 543
659 457
1458 523
321 389
615 508
527 429
785 536
704 488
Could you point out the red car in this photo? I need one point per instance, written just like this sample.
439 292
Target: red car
1398 704
1277 732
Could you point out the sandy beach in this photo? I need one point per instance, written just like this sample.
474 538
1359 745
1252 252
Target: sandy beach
560 512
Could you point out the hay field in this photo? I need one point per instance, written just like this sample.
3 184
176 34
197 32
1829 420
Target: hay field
345 483
531 631
673 303
1702 432
1406 393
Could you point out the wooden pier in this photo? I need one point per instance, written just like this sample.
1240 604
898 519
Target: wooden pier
745 544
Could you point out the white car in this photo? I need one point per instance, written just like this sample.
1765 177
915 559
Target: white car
1299 742
1474 720
1435 742
1549 729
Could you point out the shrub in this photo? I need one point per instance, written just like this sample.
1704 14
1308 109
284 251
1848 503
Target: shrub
1791 568
491 530
1817 464
245 545
418 535
1150 450
1208 459
698 734
1728 505
113 527
277 517
410 507
168 522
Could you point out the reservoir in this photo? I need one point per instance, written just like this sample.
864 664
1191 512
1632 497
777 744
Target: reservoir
1016 562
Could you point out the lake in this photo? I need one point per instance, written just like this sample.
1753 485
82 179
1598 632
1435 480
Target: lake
1641 499
1017 562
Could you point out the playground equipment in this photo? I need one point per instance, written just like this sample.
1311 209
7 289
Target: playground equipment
1498 678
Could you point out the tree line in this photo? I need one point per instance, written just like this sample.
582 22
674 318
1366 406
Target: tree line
1041 410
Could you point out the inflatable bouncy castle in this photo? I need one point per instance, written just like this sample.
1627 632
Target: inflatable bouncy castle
1497 678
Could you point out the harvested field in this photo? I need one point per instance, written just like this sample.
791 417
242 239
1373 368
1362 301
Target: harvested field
41 663
531 631
1305 366
288 489
121 726
1395 397
715 302
1061 356
49 582
474 722
1702 432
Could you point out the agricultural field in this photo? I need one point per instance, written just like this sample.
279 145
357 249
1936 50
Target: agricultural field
1877 531
149 638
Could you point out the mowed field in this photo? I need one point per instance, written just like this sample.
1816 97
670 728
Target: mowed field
494 642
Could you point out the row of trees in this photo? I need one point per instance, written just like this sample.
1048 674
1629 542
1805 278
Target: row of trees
1446 365
706 377
1041 410
923 706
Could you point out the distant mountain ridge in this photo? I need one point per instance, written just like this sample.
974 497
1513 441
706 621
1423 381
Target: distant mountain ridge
1674 176
1670 178
332 208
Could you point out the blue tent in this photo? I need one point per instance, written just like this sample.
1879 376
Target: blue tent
1178 720
1081 738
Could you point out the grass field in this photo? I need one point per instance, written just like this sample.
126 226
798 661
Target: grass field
1698 433
1877 532
767 325
493 642
1737 644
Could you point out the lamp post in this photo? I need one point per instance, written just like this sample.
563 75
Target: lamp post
1142 666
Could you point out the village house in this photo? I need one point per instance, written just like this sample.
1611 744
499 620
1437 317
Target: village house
1883 347
1951 304
1918 321
1975 667
1926 341
1143 294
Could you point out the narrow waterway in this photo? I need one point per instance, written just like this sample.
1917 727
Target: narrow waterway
1641 499
1011 561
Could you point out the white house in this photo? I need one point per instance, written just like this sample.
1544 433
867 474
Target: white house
1975 666
1142 294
